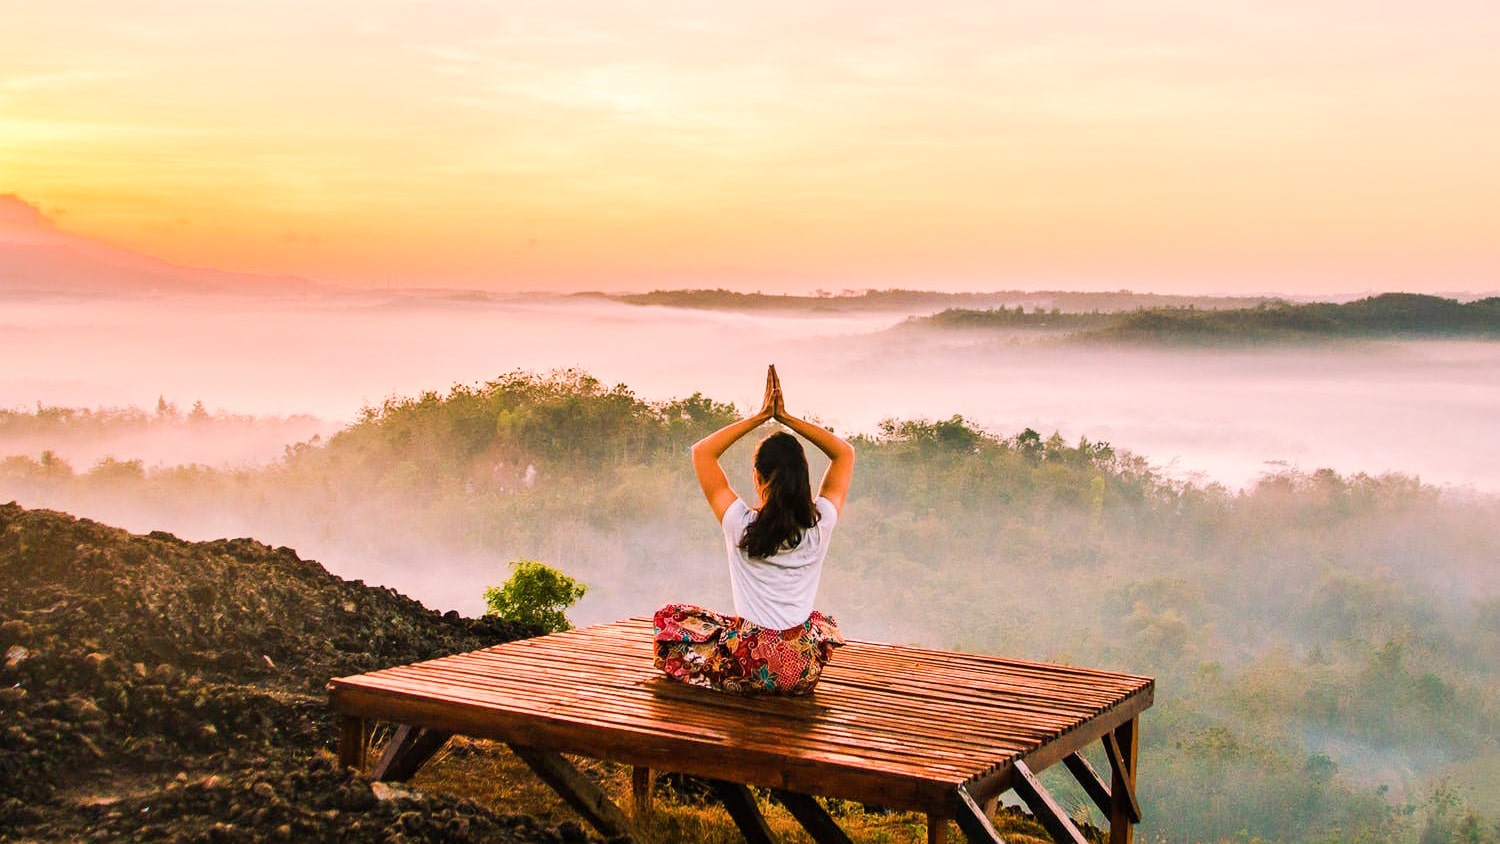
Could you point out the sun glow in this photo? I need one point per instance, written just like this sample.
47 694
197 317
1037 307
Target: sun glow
1326 146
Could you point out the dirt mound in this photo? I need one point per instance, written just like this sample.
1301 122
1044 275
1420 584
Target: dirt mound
189 678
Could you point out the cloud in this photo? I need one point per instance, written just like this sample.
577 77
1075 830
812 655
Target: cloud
18 214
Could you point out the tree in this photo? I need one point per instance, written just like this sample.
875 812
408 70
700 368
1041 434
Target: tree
536 594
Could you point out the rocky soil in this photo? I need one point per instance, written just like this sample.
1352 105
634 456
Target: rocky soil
153 689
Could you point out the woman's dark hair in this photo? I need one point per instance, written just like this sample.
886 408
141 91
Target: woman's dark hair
788 507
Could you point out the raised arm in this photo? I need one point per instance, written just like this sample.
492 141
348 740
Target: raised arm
835 485
707 451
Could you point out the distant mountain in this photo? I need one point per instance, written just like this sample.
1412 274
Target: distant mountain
38 257
1387 316
928 300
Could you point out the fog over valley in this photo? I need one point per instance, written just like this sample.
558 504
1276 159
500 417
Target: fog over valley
1225 415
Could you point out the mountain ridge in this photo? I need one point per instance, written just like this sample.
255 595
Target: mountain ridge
38 258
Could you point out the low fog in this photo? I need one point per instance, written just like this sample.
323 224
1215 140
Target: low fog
1325 642
1215 415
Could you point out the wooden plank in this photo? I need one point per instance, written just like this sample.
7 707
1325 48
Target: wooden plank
1036 678
1122 746
757 766
578 791
971 820
937 829
406 752
743 809
924 692
813 817
1041 702
1089 779
710 735
867 739
698 739
851 696
353 738
708 717
903 733
1048 813
642 783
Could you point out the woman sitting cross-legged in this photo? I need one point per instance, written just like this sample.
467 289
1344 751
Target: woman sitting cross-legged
775 643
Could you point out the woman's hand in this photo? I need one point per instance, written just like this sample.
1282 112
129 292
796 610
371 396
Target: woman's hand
778 400
835 485
769 404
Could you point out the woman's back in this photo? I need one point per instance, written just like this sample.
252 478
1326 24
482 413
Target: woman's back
777 591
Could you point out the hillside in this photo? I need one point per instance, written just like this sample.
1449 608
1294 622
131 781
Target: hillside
1387 316
156 689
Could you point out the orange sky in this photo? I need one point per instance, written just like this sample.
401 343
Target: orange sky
1290 146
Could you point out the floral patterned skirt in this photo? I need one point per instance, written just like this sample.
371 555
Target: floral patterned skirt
728 653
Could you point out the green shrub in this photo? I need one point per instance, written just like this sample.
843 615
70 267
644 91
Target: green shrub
536 594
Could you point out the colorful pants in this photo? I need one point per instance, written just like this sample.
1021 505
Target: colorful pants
728 653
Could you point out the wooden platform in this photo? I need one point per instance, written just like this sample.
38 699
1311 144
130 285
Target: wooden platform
930 731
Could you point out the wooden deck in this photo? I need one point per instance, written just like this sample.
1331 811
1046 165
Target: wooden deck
931 731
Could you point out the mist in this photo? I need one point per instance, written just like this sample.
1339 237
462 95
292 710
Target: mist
1211 415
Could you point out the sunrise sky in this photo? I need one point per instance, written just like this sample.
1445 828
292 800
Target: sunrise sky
1313 146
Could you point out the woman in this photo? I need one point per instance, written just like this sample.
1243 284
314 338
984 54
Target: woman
775 643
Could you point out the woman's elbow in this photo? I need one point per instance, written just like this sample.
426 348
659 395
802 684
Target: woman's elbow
701 455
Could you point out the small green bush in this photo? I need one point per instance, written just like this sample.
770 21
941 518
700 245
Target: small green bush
536 594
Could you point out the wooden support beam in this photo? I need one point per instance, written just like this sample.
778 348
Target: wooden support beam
642 783
406 752
1092 784
742 808
353 740
971 820
1122 746
1048 813
937 829
1119 764
578 791
813 817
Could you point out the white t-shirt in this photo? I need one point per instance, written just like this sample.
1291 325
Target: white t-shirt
777 592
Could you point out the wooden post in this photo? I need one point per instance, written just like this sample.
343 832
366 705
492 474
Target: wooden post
578 791
741 805
641 783
352 742
406 752
1089 779
971 820
1046 810
1123 745
937 829
813 817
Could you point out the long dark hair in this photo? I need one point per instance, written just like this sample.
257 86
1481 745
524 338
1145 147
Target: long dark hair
788 507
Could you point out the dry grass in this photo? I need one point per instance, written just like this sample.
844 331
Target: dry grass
490 774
